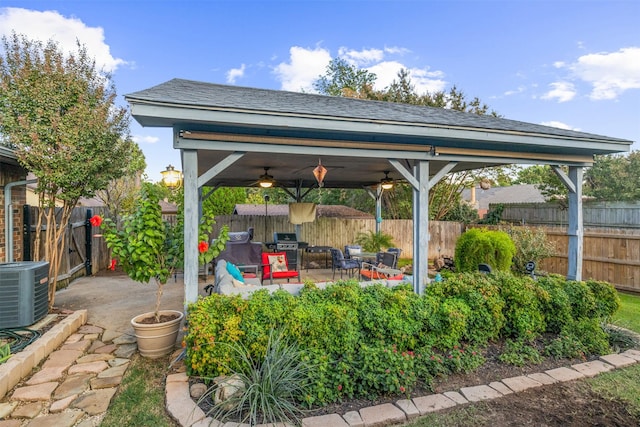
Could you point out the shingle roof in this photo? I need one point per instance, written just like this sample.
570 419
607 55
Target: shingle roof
523 193
328 211
210 95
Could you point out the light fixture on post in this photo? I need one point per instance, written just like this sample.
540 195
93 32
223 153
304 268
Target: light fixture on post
171 177
320 172
386 183
266 180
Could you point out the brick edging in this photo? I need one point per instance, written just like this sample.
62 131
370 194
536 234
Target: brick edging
182 407
21 364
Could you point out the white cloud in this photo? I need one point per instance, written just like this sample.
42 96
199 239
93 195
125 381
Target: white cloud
303 68
520 89
610 74
146 139
235 73
48 25
361 58
559 125
562 91
395 50
306 65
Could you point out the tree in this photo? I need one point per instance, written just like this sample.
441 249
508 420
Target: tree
59 114
342 79
223 200
614 177
545 180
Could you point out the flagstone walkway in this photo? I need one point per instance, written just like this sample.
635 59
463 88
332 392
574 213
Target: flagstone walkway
75 383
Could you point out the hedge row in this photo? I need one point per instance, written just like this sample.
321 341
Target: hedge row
377 340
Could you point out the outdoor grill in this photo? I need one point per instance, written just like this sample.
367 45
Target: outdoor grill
287 243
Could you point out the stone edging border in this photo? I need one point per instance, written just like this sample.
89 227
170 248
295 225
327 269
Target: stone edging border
182 407
21 364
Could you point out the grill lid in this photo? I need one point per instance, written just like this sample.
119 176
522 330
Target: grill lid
284 237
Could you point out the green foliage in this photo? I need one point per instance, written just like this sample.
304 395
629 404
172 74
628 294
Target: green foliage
607 299
494 216
5 352
523 301
519 353
531 245
146 246
385 369
486 318
614 177
482 246
59 113
545 180
374 242
223 200
462 212
363 342
272 383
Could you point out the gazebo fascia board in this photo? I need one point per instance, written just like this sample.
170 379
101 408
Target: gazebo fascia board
228 134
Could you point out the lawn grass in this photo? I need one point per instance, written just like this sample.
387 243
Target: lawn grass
621 384
140 398
629 314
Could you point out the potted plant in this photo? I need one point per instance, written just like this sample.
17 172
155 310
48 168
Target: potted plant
150 249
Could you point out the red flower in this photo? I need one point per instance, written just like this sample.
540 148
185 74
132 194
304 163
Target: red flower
402 389
340 387
113 265
96 220
203 247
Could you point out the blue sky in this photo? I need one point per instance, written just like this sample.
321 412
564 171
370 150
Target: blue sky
572 64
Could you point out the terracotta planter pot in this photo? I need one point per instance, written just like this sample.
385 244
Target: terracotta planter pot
156 339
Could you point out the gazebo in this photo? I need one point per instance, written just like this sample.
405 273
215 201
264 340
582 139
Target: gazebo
231 136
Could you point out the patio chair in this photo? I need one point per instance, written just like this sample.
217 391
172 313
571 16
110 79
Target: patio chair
351 251
388 259
275 266
342 264
379 272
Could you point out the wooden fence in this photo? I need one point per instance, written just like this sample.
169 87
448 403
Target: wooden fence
337 232
74 259
611 255
594 214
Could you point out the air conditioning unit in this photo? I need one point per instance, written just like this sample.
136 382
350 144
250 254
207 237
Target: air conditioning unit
24 293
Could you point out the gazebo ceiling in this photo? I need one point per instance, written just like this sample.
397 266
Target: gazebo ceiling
355 140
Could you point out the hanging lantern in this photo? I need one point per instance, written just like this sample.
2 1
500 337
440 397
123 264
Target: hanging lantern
319 172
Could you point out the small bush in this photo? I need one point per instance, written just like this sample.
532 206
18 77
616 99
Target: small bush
482 246
272 384
519 353
531 245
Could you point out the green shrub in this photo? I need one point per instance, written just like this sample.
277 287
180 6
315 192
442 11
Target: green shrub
523 300
606 297
361 342
384 370
482 296
519 353
272 384
372 241
557 308
531 245
482 246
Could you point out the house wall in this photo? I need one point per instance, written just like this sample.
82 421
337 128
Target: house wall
8 174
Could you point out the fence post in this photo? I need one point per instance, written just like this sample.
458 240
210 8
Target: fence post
26 233
88 238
